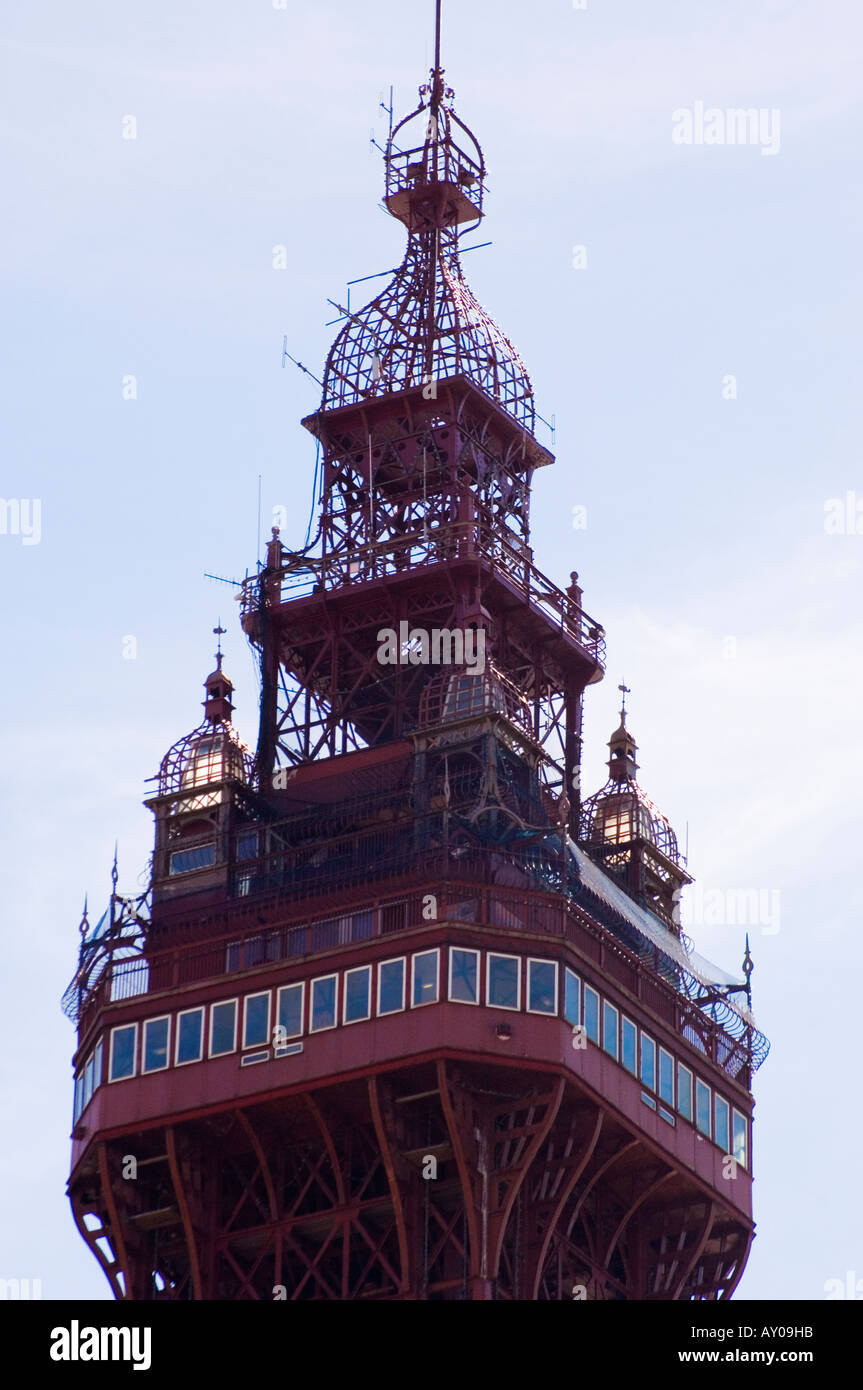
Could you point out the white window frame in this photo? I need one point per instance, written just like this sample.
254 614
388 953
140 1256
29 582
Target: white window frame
634 1026
160 1018
392 960
319 979
570 974
357 970
219 1003
542 1013
588 989
468 951
615 1055
664 1052
267 1038
503 955
690 1118
708 1133
648 1085
418 955
744 1162
293 984
134 1072
190 1061
717 1101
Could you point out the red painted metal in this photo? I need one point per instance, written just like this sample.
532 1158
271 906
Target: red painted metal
396 806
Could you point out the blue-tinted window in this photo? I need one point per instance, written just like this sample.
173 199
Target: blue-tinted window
184 860
290 1015
464 976
123 1052
358 994
190 1036
628 1046
247 844
88 1079
609 1028
684 1091
323 1003
256 1020
156 1043
740 1150
648 1062
391 986
503 981
571 997
542 987
79 1097
223 1027
702 1107
591 1013
97 1068
722 1133
425 967
666 1076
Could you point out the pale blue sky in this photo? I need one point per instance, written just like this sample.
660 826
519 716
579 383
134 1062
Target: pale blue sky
153 257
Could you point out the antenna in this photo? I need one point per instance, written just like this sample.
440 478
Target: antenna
286 354
437 35
258 550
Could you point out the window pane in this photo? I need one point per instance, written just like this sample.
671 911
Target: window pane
184 860
122 1052
425 978
256 1025
666 1076
542 986
722 1134
627 1039
591 1013
156 1044
88 1080
702 1107
324 1003
684 1091
503 974
190 1033
648 1062
391 987
609 1028
247 844
291 1010
357 989
79 1094
223 1028
464 973
571 997
740 1145
97 1069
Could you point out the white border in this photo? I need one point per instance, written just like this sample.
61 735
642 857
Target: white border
744 1162
642 1038
356 970
432 951
318 980
301 986
615 1055
160 1018
190 1061
258 994
708 1134
217 1003
134 1072
468 951
579 1022
392 960
671 1104
489 1003
543 1013
690 1118
585 987
717 1101
624 1018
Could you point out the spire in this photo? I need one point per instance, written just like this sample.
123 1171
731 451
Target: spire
218 687
622 766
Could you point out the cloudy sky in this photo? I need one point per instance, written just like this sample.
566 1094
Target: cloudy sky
702 366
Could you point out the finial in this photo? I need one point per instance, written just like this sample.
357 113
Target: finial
84 925
219 632
624 691
748 967
114 871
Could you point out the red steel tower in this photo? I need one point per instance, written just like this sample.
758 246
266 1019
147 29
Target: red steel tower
400 1017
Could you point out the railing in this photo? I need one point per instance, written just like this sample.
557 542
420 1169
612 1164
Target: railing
510 558
719 1031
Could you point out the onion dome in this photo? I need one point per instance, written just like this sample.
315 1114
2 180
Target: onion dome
212 753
